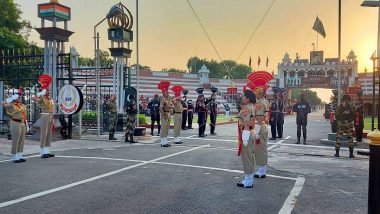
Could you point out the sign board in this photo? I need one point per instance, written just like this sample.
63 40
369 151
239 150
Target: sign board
70 99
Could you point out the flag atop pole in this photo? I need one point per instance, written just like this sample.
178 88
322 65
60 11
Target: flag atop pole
267 62
250 62
318 26
258 61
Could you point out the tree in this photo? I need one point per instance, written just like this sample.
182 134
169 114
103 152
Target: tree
173 70
105 60
225 69
141 67
311 96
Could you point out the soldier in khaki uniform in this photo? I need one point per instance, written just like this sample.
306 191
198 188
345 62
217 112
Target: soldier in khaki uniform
46 104
166 107
19 125
178 108
246 126
261 133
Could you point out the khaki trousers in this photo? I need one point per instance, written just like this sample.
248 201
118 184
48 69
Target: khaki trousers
165 126
177 124
247 156
18 131
260 150
46 130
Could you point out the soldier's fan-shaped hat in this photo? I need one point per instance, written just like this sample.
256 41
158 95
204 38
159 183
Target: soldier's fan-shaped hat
199 91
177 89
164 86
185 92
214 89
359 92
260 79
275 89
335 92
346 97
45 80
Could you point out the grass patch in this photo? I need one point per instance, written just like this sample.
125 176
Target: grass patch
368 123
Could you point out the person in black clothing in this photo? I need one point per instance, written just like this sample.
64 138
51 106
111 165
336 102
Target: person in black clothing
213 107
190 113
201 109
280 114
273 113
302 108
154 107
184 111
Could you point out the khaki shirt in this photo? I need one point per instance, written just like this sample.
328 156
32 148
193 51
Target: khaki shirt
261 107
178 107
17 112
247 116
166 105
46 105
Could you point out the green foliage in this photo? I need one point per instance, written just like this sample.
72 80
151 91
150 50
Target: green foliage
11 40
88 115
225 69
173 70
10 16
310 96
105 60
142 119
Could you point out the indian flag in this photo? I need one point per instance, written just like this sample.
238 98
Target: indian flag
51 10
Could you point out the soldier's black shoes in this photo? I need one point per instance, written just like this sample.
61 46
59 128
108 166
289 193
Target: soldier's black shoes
202 135
240 184
158 134
351 153
259 176
45 156
190 127
279 137
51 155
184 128
272 138
166 145
298 142
22 160
16 161
178 142
336 153
132 141
213 133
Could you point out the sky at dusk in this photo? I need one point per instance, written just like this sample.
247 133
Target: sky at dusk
170 33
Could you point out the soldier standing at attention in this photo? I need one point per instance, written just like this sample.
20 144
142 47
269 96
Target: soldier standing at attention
359 116
201 109
46 120
302 108
131 109
154 107
345 119
19 124
190 114
112 112
280 114
166 107
185 109
273 113
178 108
213 108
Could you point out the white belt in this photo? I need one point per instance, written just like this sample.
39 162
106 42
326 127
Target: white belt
46 113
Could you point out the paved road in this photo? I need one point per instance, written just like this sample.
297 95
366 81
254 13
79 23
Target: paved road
93 175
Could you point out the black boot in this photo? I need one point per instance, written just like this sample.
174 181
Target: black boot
132 141
126 138
351 153
304 141
298 141
111 137
336 153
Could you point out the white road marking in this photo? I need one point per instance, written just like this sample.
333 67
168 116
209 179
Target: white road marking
291 200
274 146
26 157
288 137
174 164
36 195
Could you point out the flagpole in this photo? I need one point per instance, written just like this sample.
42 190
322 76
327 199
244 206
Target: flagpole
339 47
317 41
